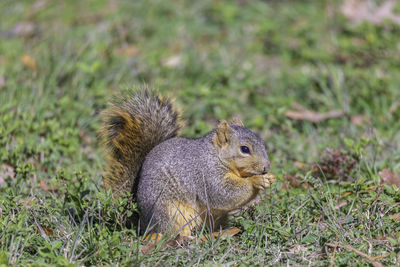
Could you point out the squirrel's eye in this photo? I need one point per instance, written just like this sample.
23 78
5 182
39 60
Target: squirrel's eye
245 149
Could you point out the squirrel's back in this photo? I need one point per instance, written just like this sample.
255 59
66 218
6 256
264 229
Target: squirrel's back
175 176
131 127
174 161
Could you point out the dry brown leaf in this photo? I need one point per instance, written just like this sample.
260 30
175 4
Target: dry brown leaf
390 178
300 165
29 62
43 185
28 202
346 194
395 216
309 115
153 239
47 231
222 235
360 10
335 164
380 238
341 204
149 247
370 188
127 50
294 181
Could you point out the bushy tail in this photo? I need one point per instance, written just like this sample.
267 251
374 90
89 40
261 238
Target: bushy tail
130 129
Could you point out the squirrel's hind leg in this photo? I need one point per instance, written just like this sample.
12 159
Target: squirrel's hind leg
183 217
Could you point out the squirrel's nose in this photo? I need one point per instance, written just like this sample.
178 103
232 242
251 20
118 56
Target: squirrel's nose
266 167
265 170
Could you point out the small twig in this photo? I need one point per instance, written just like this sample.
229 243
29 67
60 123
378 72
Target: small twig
333 256
371 259
42 232
381 256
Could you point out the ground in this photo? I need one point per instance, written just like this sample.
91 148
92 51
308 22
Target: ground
318 82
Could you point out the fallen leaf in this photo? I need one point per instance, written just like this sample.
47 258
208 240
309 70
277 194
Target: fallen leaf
394 236
370 188
341 204
360 10
335 164
44 185
300 165
29 62
222 235
153 239
45 230
146 249
300 113
28 202
294 181
346 194
390 178
395 216
127 50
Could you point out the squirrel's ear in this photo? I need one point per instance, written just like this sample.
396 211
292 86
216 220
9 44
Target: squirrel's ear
223 134
237 121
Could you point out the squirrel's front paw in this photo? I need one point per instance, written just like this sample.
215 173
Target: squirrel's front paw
263 181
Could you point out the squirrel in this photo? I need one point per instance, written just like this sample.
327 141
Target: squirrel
179 183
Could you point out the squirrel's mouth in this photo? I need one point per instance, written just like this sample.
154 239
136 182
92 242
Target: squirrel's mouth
246 174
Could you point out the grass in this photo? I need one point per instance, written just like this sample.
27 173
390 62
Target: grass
219 59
